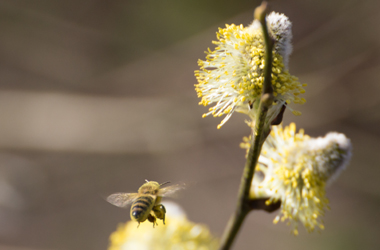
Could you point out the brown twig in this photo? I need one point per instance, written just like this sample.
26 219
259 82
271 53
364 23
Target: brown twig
260 132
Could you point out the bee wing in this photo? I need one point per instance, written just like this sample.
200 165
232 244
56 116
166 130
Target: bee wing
169 191
122 199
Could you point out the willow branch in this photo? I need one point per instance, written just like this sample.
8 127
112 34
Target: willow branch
244 205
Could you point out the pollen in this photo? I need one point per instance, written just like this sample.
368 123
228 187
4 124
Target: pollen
297 169
232 75
178 233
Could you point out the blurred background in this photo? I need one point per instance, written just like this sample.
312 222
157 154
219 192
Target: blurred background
97 96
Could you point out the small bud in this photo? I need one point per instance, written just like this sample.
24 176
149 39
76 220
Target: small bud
261 11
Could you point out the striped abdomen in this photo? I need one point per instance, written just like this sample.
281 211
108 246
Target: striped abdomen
141 207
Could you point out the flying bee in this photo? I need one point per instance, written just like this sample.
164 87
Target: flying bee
146 202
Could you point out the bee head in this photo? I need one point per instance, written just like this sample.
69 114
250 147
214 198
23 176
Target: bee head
150 187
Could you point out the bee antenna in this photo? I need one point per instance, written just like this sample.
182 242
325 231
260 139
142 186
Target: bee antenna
164 183
146 180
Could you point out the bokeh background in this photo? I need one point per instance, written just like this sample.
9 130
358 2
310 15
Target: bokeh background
96 96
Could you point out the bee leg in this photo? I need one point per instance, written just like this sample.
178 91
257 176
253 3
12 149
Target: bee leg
152 218
163 214
163 219
138 225
160 212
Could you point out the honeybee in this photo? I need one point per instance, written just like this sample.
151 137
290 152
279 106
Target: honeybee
146 202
